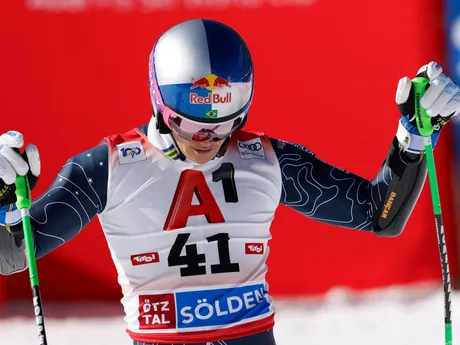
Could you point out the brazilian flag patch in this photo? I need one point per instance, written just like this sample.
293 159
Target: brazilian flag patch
211 113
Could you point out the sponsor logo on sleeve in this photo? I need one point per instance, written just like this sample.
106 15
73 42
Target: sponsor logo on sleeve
131 152
251 149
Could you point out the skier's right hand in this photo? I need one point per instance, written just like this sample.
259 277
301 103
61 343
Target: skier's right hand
441 101
12 164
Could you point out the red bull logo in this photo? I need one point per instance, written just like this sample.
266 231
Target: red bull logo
210 82
210 98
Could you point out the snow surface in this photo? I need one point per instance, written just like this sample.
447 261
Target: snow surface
393 316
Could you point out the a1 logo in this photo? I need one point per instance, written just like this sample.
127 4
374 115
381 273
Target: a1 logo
193 182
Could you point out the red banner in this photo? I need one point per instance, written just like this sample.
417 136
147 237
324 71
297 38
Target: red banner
74 71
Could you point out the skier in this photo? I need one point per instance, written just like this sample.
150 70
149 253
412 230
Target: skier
186 201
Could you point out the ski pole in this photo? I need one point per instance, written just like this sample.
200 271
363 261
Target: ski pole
23 203
426 128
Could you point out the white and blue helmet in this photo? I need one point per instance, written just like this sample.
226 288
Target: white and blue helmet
201 79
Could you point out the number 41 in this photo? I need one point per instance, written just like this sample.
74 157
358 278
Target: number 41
192 259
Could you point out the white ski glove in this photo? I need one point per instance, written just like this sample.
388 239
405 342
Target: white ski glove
441 101
12 164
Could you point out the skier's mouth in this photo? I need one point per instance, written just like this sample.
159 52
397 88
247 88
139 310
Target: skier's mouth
202 151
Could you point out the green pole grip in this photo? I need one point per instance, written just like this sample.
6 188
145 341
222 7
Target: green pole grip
424 125
23 203
30 250
436 201
22 193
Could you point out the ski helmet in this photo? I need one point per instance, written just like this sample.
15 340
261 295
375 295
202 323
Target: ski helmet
201 80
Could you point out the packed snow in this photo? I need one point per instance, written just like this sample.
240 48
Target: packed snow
393 316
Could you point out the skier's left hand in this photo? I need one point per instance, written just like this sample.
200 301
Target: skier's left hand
441 101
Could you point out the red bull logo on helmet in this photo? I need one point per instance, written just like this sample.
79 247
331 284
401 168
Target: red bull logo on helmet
210 82
210 98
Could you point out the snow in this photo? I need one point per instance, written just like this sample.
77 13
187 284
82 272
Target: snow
393 316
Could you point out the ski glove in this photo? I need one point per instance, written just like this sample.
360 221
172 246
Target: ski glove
441 101
12 164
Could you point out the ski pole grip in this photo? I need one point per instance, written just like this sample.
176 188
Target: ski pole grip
22 193
424 125
23 199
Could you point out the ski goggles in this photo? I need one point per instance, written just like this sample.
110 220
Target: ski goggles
201 131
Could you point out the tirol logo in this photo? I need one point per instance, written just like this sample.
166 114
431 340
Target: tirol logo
143 259
254 248
128 151
210 82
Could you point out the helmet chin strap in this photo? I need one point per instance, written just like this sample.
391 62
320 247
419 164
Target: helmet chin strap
164 129
223 148
161 125
181 154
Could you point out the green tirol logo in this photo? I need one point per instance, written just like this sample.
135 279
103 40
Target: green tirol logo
211 113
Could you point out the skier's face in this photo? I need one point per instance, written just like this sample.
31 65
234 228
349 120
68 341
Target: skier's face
198 151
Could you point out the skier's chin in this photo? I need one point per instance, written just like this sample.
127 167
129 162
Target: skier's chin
198 152
201 155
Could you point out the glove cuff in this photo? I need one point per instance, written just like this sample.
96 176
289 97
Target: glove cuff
410 139
10 218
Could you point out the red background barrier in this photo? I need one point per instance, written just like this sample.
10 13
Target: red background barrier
70 78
